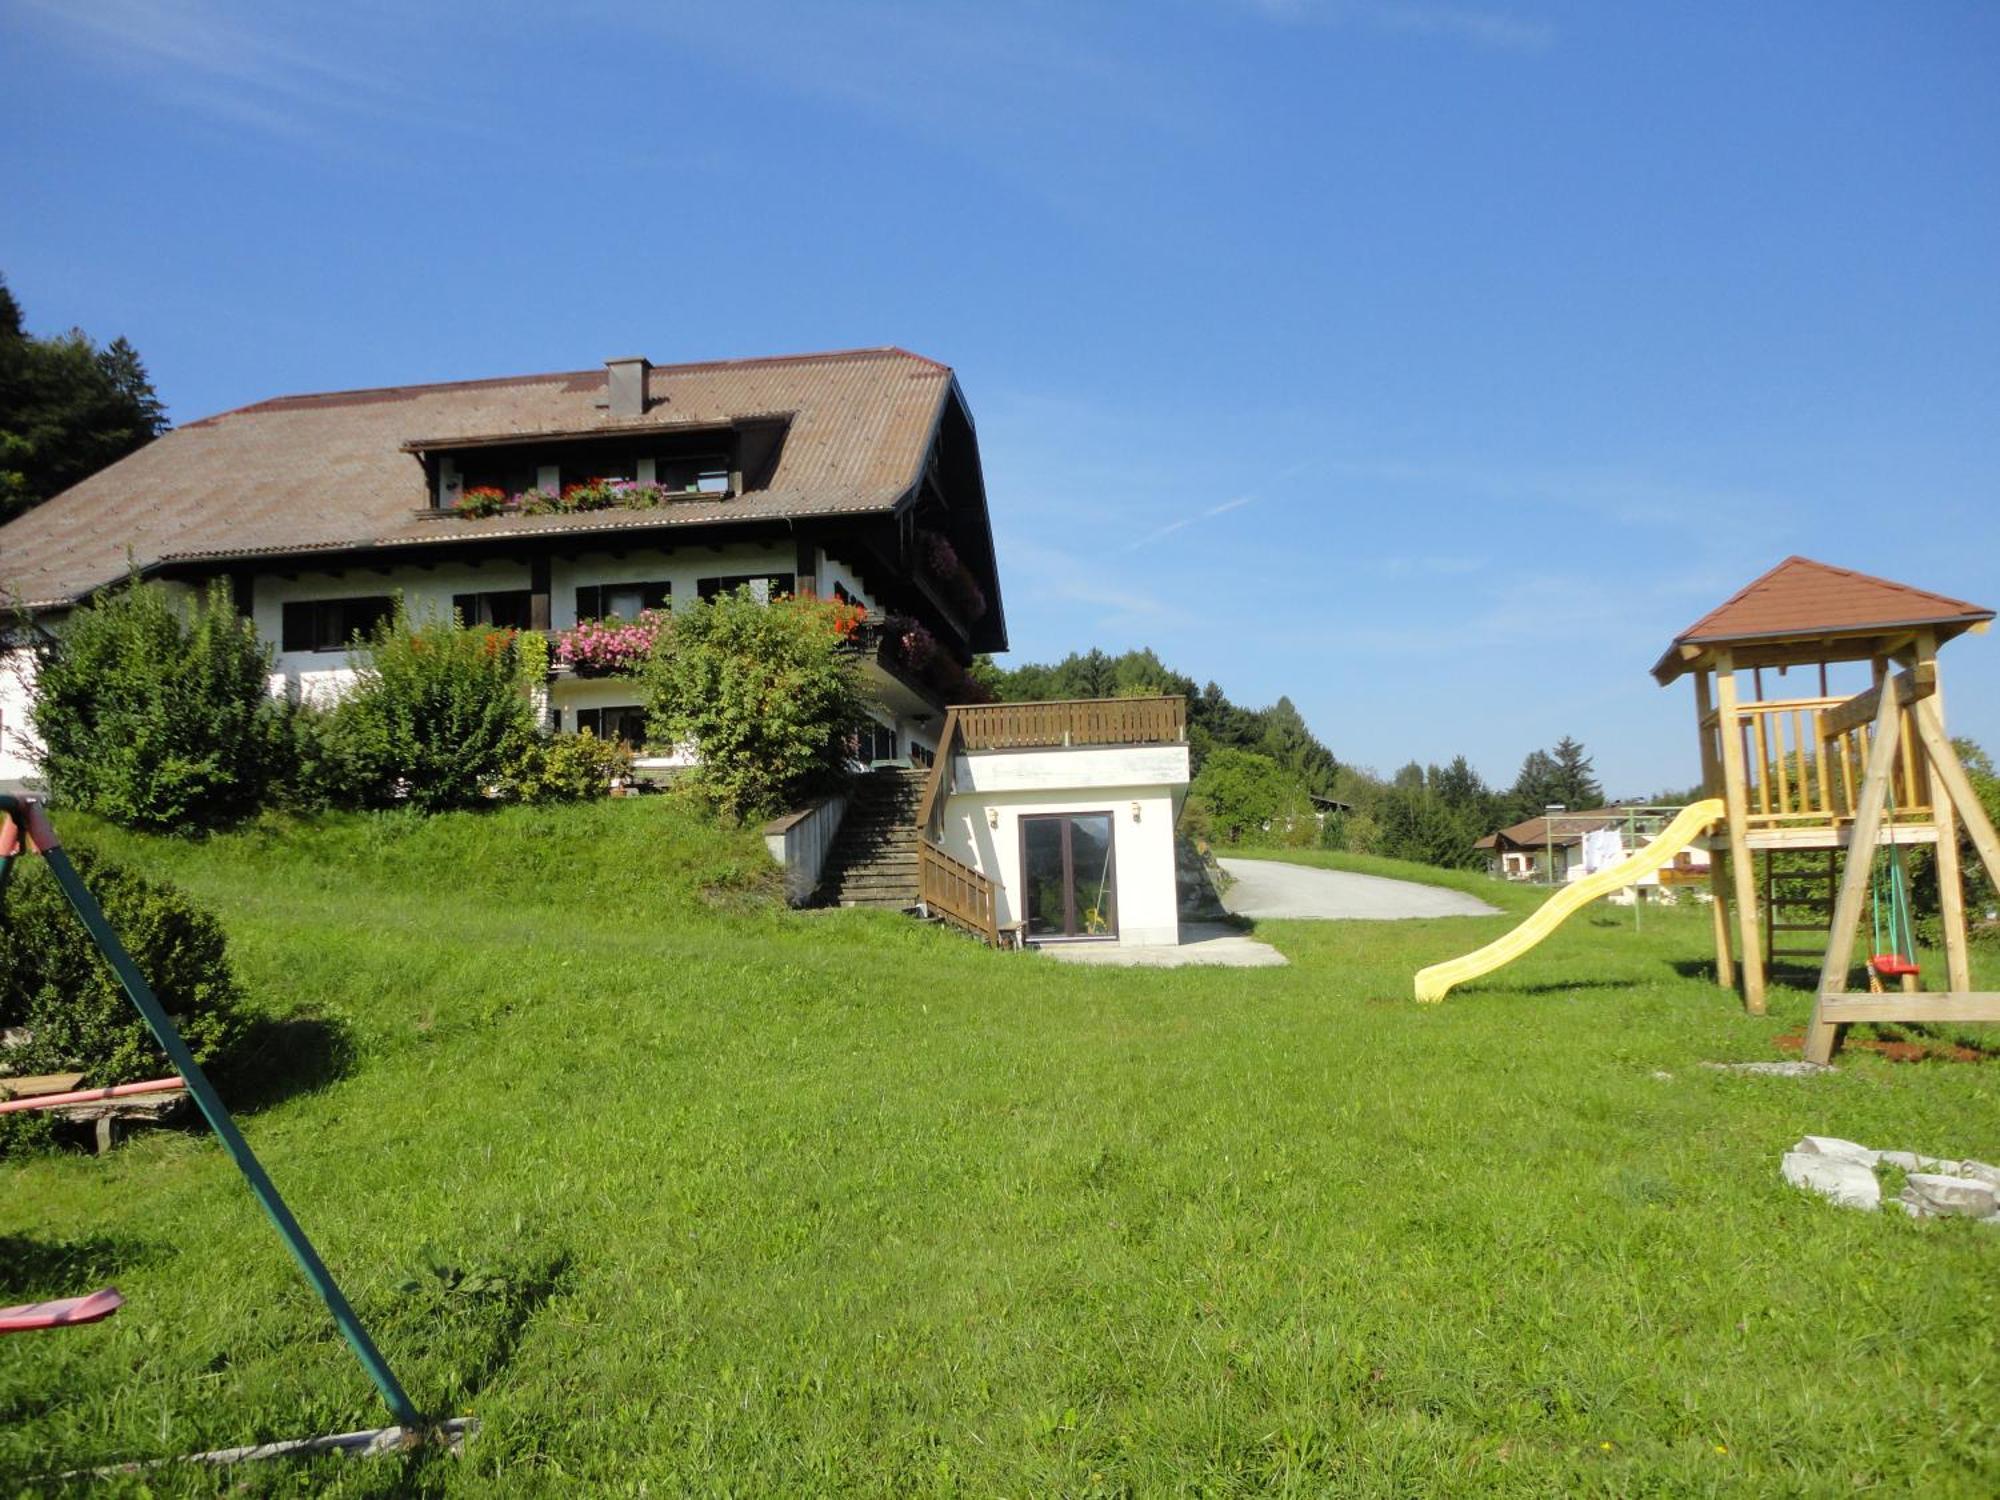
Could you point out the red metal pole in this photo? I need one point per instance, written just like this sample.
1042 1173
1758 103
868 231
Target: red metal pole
87 1096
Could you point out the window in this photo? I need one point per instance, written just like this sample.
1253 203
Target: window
692 476
511 474
329 624
506 609
627 722
584 470
596 601
764 587
874 742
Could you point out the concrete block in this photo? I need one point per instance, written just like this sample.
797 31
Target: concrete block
1848 1183
1833 1147
1961 1197
1796 1068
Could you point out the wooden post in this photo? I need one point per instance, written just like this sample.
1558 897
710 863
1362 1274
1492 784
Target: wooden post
1743 866
1822 1035
1718 868
1951 887
1944 762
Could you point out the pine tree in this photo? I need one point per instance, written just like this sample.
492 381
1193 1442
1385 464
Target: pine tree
67 409
1575 785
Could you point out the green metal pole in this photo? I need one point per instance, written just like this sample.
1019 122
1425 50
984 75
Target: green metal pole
39 836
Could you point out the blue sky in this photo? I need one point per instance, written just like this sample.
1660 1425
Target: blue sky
1433 363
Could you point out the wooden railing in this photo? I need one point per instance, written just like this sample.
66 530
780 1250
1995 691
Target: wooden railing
937 785
952 889
1803 769
1073 721
956 892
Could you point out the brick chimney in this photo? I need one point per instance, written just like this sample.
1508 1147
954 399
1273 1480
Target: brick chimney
627 386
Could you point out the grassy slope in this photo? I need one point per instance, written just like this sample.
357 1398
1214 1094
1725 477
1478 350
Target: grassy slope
756 1202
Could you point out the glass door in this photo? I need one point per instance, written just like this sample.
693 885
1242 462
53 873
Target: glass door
1068 877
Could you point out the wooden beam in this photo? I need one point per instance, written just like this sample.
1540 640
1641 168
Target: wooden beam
1718 869
1844 718
1841 1010
1822 1034
1743 867
1944 761
1951 880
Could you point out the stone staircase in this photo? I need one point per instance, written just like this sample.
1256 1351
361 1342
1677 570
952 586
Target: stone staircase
874 857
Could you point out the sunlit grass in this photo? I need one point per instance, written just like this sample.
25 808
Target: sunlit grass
673 1188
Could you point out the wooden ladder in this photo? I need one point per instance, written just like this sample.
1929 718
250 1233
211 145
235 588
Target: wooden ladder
1799 901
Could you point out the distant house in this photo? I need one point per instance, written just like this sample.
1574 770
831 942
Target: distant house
1559 847
853 475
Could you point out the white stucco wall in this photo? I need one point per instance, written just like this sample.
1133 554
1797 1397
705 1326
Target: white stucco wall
320 676
19 749
832 570
1141 786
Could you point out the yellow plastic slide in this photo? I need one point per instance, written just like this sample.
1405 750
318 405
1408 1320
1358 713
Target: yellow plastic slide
1438 980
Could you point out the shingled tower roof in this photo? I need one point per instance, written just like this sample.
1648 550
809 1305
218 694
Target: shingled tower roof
1801 601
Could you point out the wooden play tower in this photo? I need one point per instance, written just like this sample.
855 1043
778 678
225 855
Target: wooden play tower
1830 775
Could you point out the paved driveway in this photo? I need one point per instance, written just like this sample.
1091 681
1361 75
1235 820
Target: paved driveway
1271 888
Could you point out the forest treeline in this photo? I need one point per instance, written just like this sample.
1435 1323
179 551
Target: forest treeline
1261 776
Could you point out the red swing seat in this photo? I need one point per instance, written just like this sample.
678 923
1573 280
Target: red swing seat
1893 965
65 1312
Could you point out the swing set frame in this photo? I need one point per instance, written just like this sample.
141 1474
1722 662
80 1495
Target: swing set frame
25 827
1836 1006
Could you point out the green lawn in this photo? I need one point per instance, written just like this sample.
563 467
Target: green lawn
680 1192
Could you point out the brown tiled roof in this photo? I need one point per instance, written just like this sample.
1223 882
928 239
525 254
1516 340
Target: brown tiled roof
330 471
1802 598
1568 828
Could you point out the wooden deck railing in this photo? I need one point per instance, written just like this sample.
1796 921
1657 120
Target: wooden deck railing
956 892
1804 771
952 889
1073 721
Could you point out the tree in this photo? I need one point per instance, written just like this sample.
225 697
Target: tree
155 714
1535 787
67 409
769 695
1575 785
1238 793
438 717
1292 745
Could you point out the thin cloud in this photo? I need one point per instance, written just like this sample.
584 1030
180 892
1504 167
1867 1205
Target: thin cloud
1186 521
232 64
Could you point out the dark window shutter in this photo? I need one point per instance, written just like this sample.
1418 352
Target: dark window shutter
363 615
467 607
298 629
655 595
590 602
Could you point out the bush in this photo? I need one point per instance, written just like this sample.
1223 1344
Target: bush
1239 792
569 768
767 693
158 715
57 987
438 718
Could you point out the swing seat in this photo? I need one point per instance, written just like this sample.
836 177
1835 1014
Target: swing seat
65 1312
1893 965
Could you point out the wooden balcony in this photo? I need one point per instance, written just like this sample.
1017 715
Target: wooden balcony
962 895
1072 722
1803 764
